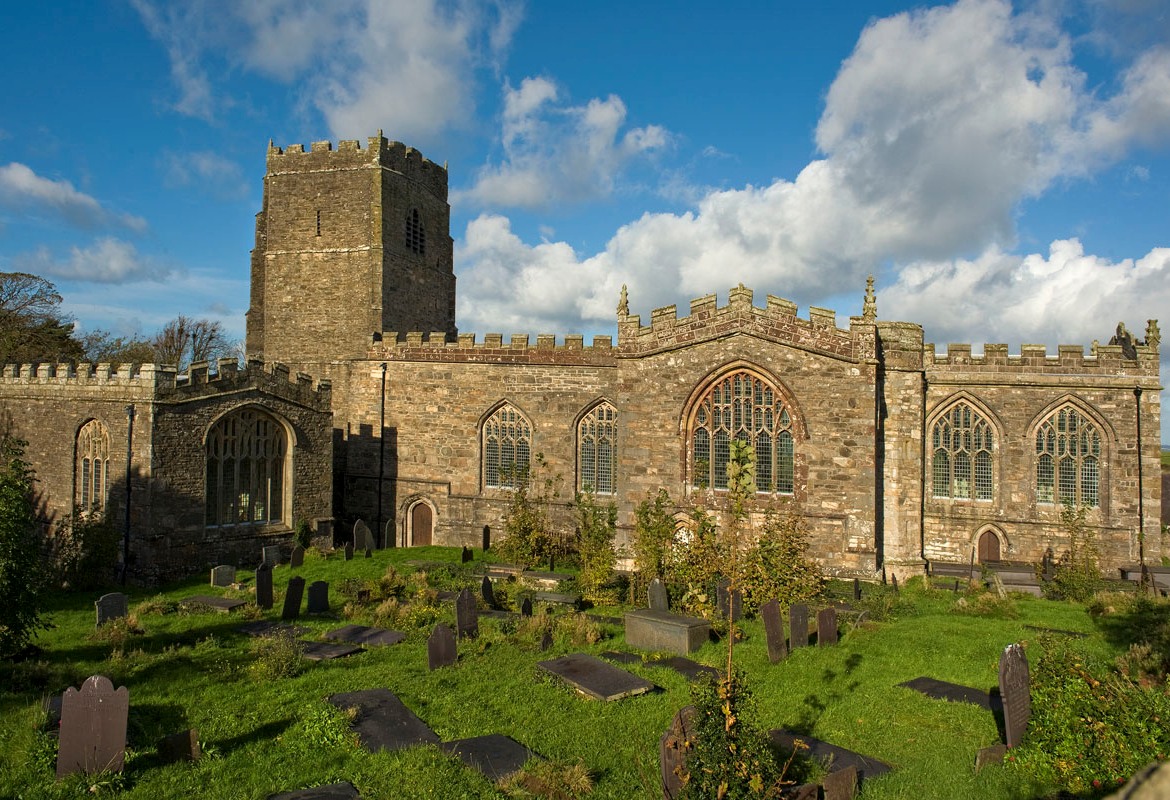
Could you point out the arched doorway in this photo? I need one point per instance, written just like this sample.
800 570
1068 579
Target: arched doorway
988 547
420 525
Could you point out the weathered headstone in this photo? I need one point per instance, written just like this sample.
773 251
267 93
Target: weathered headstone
363 537
183 746
841 785
657 596
774 631
591 676
223 575
1015 690
270 554
114 605
496 756
318 598
1049 566
292 598
441 650
365 635
297 559
546 641
331 791
349 551
798 626
672 752
264 585
382 722
466 615
93 728
826 626
729 602
526 607
856 590
489 594
988 756
894 581
466 555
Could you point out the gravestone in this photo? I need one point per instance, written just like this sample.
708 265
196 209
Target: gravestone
388 535
1049 565
331 791
826 627
593 677
466 556
526 608
349 551
292 598
297 559
841 785
363 634
327 651
264 585
114 605
363 537
546 641
894 581
658 599
987 756
92 736
730 602
495 756
856 590
382 722
441 650
177 747
774 631
318 598
489 594
223 575
270 555
798 626
672 752
1015 689
204 602
466 616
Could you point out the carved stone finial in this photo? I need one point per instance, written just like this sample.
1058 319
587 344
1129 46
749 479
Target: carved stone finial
869 308
624 303
1093 348
1153 335
1124 338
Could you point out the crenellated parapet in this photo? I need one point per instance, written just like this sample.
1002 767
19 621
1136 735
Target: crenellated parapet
136 376
493 348
1140 361
271 378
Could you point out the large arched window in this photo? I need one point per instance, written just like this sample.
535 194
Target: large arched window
507 448
745 407
1068 459
246 454
92 470
415 235
961 443
597 450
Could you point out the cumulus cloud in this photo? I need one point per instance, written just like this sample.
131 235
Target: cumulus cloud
107 260
25 192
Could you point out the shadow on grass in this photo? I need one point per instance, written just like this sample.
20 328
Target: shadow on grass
1147 620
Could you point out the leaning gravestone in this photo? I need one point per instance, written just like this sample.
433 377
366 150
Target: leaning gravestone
92 736
292 599
466 616
349 551
841 785
774 631
1015 690
318 598
488 592
672 752
730 602
856 590
826 626
798 626
466 556
441 649
657 596
114 605
526 607
223 575
264 585
297 559
363 538
270 555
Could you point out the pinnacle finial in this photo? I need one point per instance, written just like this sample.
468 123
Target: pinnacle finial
624 303
1153 334
869 309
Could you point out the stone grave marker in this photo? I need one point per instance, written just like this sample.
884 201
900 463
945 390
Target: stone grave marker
348 551
223 575
730 602
894 582
318 598
526 607
466 615
798 626
672 752
382 722
363 537
292 598
224 605
856 590
1015 690
546 641
489 594
466 556
270 555
774 631
331 791
593 677
988 756
363 634
114 605
389 536
92 736
297 559
183 746
327 651
496 756
264 585
657 596
818 750
841 785
441 649
826 627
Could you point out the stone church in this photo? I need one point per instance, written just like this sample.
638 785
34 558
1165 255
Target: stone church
895 454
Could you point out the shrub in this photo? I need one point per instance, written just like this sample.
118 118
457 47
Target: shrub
1078 572
304 534
276 656
698 560
528 540
654 528
778 566
596 529
21 575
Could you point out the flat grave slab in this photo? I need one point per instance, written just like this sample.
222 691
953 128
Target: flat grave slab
838 757
648 629
383 722
263 627
593 677
496 756
363 634
327 651
953 692
333 791
691 670
221 604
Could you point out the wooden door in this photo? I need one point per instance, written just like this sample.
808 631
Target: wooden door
988 547
420 525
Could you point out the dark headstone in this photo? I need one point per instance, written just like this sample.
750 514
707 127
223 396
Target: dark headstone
826 627
672 752
441 649
658 599
487 538
270 555
466 556
297 559
593 677
223 575
841 785
318 598
114 605
952 692
362 634
264 585
956 589
92 737
1048 564
466 615
818 750
729 602
349 551
526 607
774 631
264 627
546 641
177 747
990 755
382 722
327 651
363 537
856 590
1015 689
333 791
798 626
489 594
496 756
894 583
292 598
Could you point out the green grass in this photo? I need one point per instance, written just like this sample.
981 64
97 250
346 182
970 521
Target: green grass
269 735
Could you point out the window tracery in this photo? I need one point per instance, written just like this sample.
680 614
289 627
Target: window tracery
1068 459
246 454
507 448
597 450
93 467
961 445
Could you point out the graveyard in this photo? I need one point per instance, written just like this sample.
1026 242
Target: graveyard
412 673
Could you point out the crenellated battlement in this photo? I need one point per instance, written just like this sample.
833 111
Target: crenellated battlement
494 347
141 376
1106 359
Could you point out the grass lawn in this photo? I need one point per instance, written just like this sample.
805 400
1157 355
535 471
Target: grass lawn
263 734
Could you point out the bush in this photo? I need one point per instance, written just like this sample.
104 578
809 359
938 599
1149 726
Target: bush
528 540
778 566
278 655
596 529
21 574
1077 575
654 528
699 560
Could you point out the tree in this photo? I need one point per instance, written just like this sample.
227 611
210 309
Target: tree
596 529
20 565
32 327
184 341
103 347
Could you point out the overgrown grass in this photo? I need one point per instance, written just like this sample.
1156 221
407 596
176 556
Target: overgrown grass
265 726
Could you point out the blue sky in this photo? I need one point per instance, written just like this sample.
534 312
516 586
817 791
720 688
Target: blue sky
1002 169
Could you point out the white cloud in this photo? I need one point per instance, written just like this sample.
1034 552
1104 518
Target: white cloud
23 191
207 170
107 260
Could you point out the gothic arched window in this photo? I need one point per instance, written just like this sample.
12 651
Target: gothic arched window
246 455
415 238
507 448
1068 459
961 443
92 471
597 450
745 407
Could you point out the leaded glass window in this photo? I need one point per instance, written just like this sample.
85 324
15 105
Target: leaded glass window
92 474
961 442
1068 459
246 454
744 407
597 450
507 449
